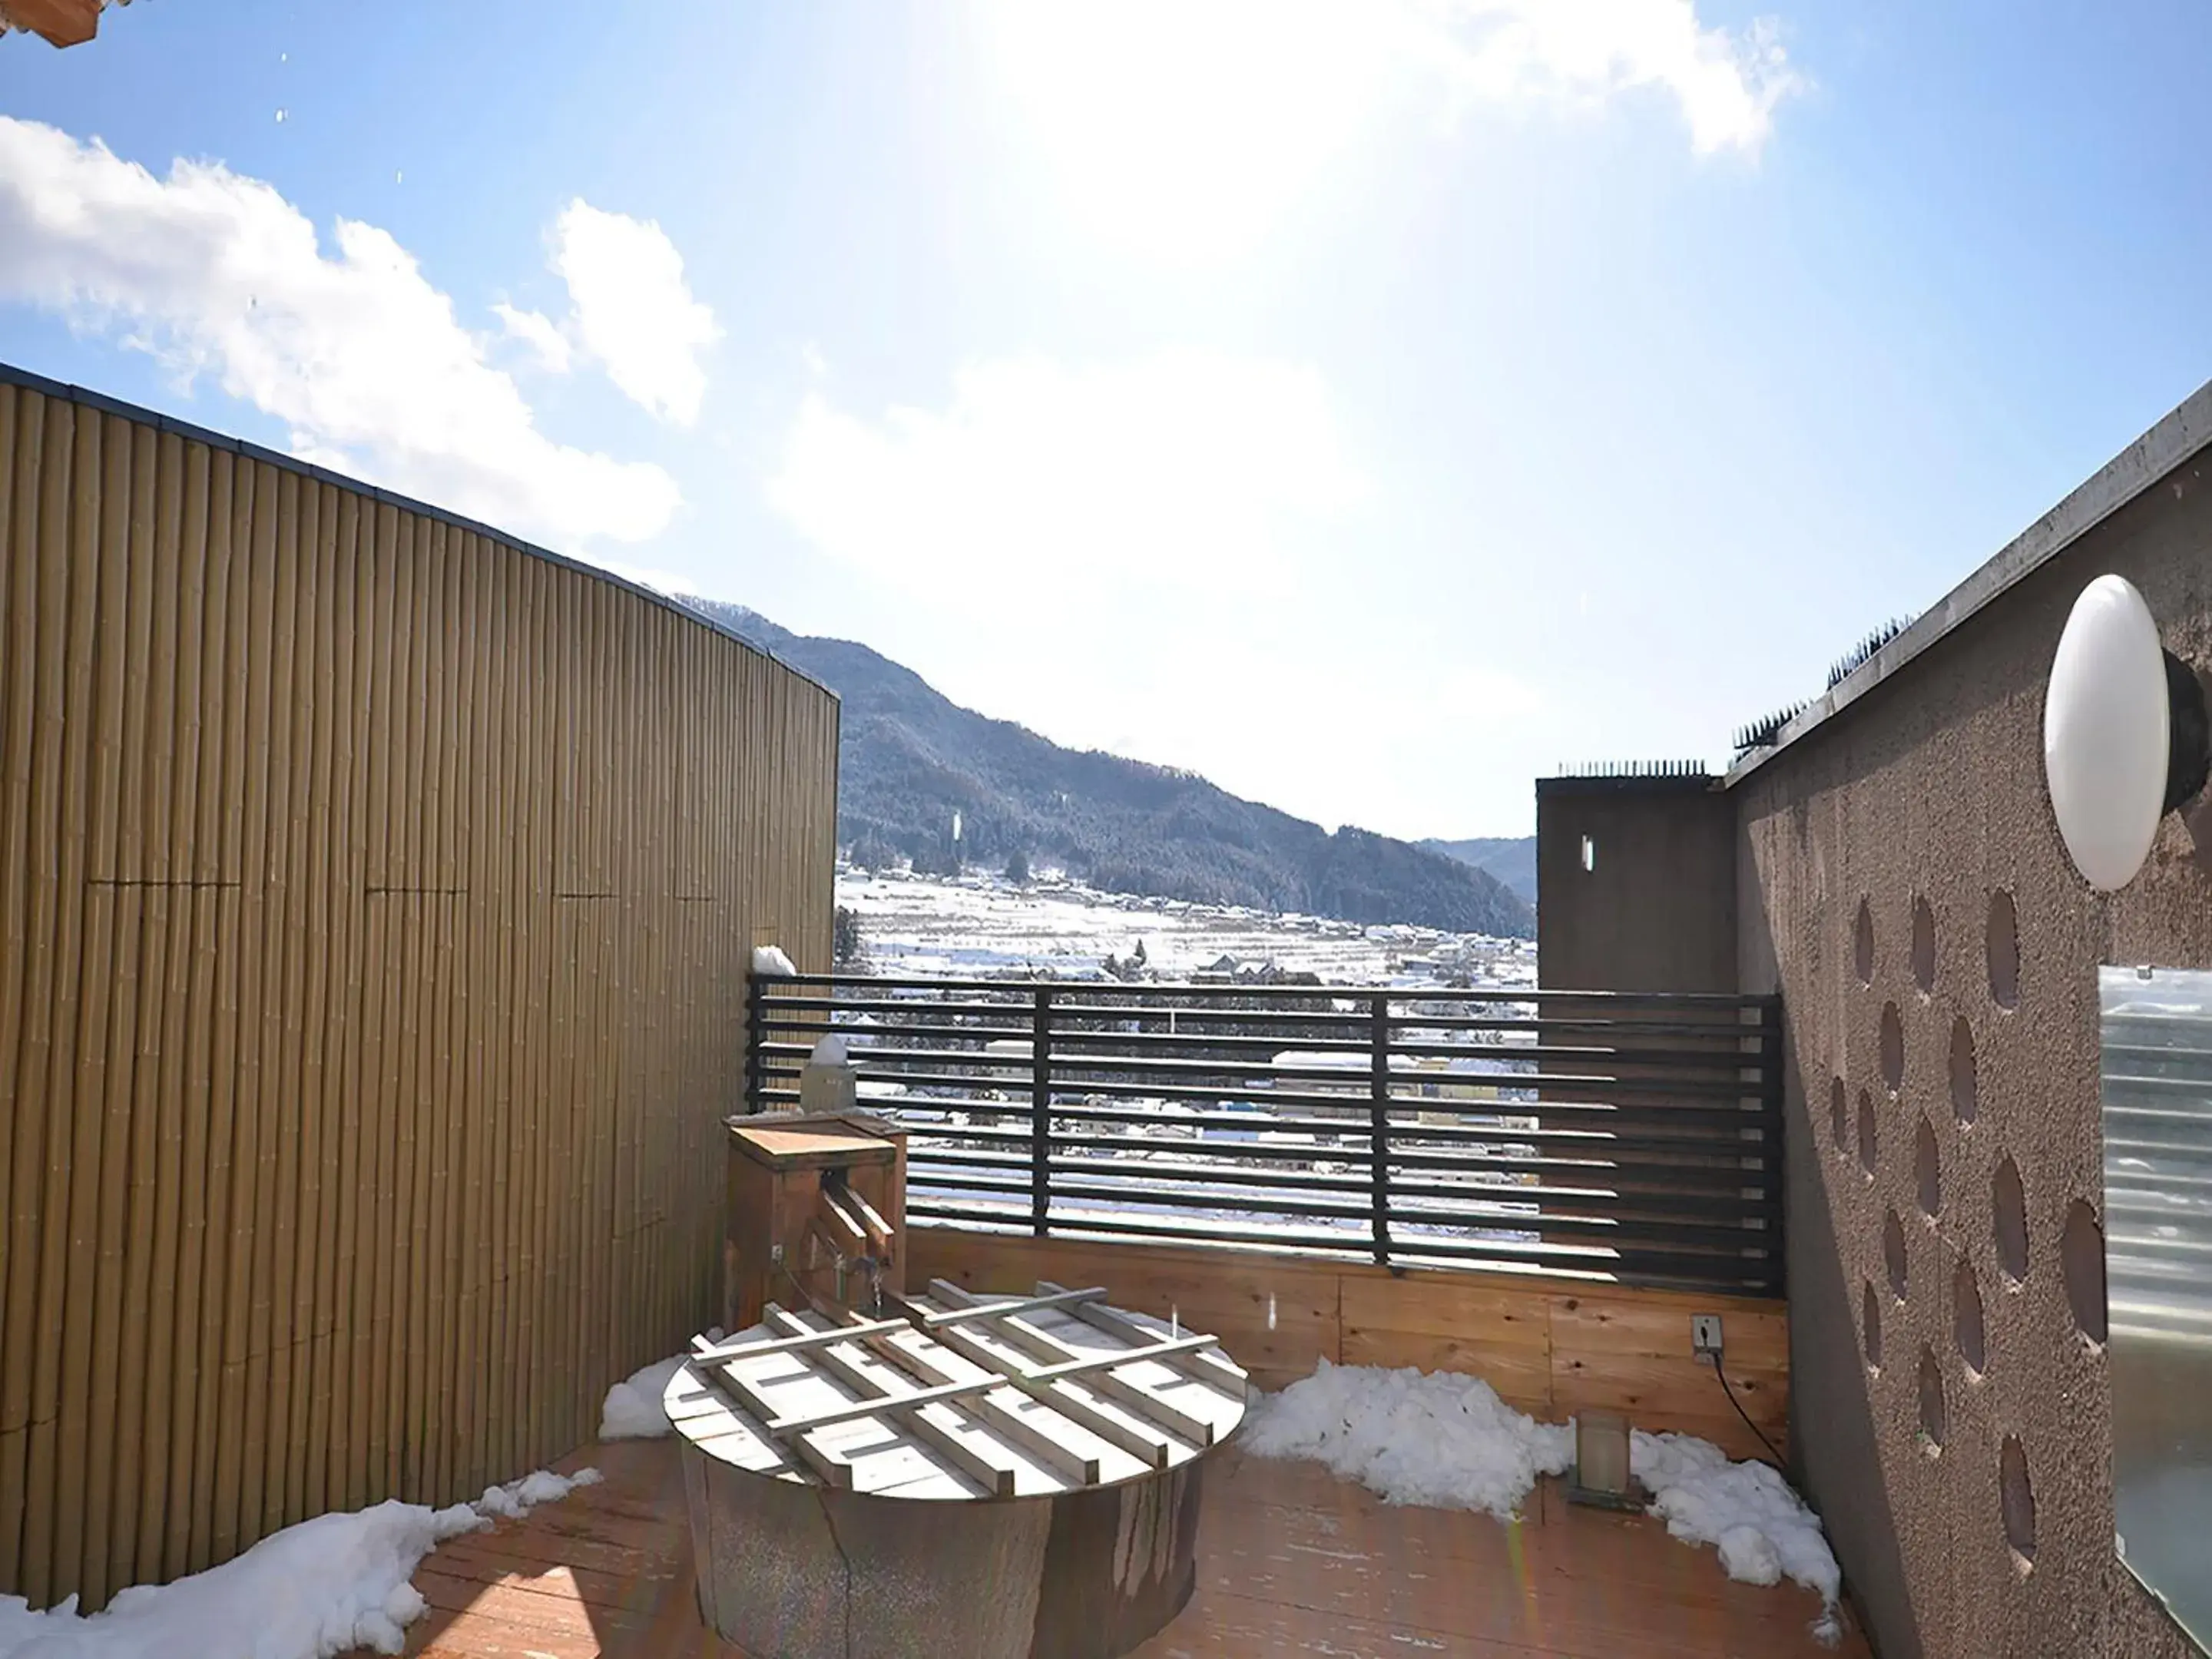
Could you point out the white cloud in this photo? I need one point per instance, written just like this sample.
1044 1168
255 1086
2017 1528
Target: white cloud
1583 51
355 352
632 309
1184 469
537 331
1192 532
1498 692
673 583
1184 128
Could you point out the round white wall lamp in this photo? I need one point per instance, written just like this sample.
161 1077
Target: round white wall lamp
2125 739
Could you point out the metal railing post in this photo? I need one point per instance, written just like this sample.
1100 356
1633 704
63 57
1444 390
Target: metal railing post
1378 1127
1776 1183
1041 1113
756 1009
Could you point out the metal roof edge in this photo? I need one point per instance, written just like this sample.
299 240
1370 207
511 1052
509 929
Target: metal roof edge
2184 432
1567 783
87 399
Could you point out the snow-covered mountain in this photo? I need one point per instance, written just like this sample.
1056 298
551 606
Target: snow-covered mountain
911 760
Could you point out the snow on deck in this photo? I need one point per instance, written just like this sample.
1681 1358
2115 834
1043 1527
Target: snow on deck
1447 1441
325 1587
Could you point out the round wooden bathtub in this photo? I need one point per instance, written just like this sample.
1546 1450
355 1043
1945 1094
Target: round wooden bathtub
1015 1480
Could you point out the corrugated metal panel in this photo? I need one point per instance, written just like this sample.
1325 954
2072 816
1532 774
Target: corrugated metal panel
2157 1067
375 903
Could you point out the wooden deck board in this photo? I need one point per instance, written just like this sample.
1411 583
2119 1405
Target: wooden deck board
1290 1561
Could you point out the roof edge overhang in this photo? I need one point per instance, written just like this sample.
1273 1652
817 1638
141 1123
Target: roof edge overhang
2177 438
57 22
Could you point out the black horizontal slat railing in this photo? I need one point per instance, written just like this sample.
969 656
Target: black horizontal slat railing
1634 1136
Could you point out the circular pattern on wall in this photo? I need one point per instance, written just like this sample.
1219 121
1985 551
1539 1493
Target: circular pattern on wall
1870 1326
2082 1258
1893 1253
1839 1118
1935 1419
1924 946
2016 1493
1966 1319
2003 950
1965 1086
1893 1048
2010 1203
1862 943
1927 1168
1867 1148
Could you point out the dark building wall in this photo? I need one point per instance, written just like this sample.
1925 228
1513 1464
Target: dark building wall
1927 791
1657 913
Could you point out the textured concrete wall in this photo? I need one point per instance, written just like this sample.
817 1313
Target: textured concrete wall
1961 1457
1658 911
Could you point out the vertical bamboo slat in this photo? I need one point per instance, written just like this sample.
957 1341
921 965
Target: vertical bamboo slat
315 1289
240 1465
268 1359
534 890
529 780
375 899
161 702
298 1141
409 1338
164 1527
103 1138
18 590
83 1036
228 523
67 587
456 1010
379 1061
351 607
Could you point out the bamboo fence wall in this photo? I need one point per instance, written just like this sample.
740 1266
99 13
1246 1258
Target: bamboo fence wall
378 897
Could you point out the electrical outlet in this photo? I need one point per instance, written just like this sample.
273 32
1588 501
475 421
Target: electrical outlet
1705 1334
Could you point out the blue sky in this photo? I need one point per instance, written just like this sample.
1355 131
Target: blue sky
1369 405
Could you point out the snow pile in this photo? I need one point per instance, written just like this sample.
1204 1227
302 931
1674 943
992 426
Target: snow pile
635 1408
325 1587
517 1497
830 1051
1448 1441
1762 1529
766 959
1444 1440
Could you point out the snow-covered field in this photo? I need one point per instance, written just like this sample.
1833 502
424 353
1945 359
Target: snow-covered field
983 926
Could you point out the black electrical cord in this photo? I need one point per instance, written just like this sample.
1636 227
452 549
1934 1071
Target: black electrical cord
1773 1461
1773 1458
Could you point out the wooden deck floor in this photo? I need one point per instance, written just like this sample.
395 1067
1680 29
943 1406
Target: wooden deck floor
1290 1561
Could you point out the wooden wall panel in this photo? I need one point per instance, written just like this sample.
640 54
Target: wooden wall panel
1550 1348
376 901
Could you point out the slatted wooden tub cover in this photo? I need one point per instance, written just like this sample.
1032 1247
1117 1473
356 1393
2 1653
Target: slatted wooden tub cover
1014 1476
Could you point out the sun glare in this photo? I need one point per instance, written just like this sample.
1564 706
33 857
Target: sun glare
1183 132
